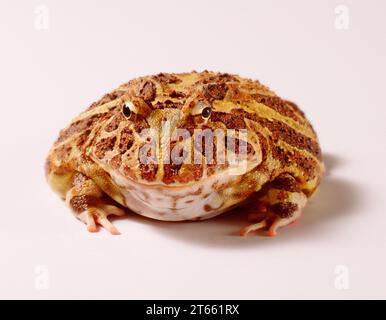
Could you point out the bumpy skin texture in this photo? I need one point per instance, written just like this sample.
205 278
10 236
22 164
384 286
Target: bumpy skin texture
94 165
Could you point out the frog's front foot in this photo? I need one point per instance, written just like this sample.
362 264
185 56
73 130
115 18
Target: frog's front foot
282 206
91 205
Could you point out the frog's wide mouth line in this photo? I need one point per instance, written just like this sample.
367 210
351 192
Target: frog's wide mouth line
129 183
157 185
168 202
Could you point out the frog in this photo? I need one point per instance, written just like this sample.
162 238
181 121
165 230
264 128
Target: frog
111 159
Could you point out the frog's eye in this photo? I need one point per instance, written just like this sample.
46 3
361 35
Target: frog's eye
127 109
202 108
206 112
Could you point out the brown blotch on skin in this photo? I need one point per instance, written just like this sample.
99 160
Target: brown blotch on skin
279 130
219 77
116 120
139 121
197 192
116 162
103 146
171 172
284 132
233 120
288 157
127 140
83 138
279 105
233 144
286 183
107 98
147 90
148 171
295 107
263 145
83 202
63 151
283 209
79 126
177 94
215 91
167 78
167 104
208 208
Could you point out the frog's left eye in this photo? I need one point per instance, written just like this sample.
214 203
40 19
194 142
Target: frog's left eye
206 112
127 109
202 108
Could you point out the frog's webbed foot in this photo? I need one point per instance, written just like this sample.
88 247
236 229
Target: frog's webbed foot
91 205
282 205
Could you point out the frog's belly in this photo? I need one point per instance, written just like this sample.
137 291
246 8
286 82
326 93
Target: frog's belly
196 202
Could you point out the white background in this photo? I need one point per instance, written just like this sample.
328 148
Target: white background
337 77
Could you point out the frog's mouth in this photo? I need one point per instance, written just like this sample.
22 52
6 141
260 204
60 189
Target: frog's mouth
175 202
212 182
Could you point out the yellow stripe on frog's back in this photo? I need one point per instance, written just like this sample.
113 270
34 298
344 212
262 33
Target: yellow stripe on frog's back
264 112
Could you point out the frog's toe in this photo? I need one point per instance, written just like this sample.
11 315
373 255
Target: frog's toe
272 223
102 219
253 227
276 224
282 222
113 210
99 216
89 220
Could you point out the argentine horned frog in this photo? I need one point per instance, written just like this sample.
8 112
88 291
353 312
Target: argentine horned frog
187 146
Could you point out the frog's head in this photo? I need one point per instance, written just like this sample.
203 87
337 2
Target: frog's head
163 136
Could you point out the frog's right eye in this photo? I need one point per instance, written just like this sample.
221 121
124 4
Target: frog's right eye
127 109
